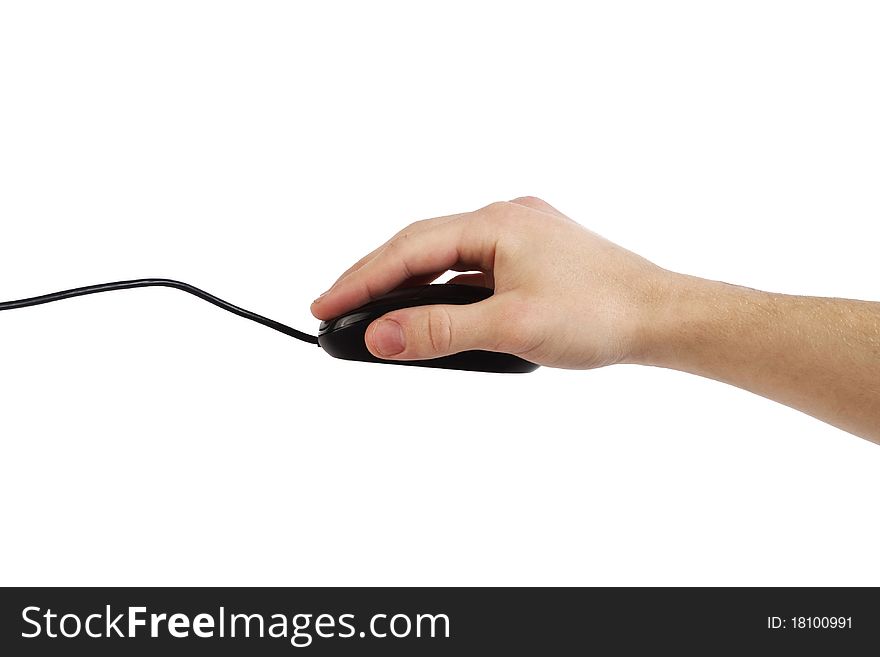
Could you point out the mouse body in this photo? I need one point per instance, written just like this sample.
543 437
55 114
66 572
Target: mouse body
343 337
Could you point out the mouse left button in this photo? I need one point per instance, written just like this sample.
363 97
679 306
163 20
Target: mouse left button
345 321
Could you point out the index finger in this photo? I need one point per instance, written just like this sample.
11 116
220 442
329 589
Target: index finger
437 248
412 228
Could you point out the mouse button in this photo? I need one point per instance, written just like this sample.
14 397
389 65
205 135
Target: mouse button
344 322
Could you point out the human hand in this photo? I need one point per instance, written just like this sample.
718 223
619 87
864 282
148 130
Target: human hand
564 296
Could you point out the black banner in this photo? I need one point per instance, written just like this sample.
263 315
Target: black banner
435 621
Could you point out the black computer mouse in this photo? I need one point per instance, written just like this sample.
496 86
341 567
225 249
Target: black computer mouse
343 337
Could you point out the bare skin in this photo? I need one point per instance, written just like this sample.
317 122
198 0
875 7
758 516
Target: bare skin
566 297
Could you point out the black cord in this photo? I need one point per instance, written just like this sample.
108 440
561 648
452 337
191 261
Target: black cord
160 282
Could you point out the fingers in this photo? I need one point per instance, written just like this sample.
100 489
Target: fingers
418 226
437 247
360 263
431 331
417 255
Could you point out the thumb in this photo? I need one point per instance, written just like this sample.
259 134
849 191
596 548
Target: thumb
431 331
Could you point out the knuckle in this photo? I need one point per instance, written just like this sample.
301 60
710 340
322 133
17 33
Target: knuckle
498 213
405 232
395 246
496 208
401 237
397 254
439 329
530 201
367 289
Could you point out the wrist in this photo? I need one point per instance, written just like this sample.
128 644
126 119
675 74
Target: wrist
691 317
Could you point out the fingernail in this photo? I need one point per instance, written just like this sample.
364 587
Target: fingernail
320 296
388 338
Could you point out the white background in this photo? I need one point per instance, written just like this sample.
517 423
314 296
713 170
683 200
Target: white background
257 149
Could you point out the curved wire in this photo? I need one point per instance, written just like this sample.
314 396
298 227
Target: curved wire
160 282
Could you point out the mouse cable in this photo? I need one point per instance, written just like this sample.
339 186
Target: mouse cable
160 282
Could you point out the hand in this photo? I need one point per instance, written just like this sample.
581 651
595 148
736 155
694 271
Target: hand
564 297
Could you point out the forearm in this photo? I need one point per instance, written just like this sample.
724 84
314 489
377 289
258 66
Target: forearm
821 356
